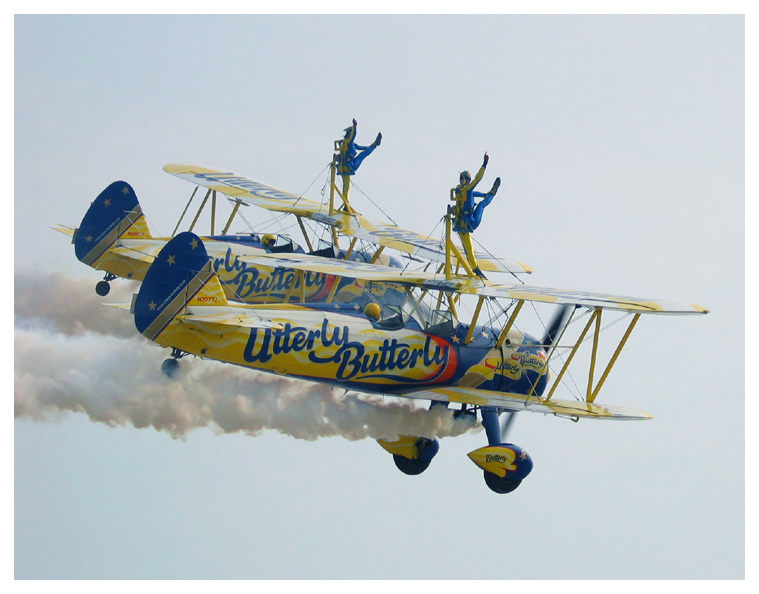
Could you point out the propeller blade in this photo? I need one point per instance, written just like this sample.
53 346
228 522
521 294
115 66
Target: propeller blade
556 325
506 421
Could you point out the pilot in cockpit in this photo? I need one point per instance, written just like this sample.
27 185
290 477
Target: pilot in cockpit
268 241
374 312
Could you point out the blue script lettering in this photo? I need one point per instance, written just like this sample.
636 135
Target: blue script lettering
351 357
247 280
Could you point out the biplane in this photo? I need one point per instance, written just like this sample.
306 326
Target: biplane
114 237
400 333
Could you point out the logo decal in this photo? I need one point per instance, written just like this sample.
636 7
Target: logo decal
380 359
246 281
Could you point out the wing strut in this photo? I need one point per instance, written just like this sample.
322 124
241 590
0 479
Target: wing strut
184 212
510 323
350 248
377 254
303 229
596 314
596 336
591 391
300 277
476 315
238 202
200 209
614 357
333 290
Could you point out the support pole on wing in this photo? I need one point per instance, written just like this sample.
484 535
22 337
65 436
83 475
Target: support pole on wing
476 315
303 230
350 248
596 315
594 354
505 332
552 343
377 254
184 212
297 282
448 244
231 217
333 290
200 209
452 306
332 169
213 213
414 303
212 194
461 261
614 358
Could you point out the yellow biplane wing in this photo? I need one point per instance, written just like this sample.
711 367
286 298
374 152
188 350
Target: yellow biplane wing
248 190
584 299
521 402
471 286
351 224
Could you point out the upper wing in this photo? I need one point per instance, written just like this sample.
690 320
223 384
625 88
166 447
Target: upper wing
248 190
472 286
585 299
355 225
337 267
520 402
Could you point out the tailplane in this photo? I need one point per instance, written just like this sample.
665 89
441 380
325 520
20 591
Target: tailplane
114 214
182 275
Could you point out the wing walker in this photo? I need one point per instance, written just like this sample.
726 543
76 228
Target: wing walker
361 319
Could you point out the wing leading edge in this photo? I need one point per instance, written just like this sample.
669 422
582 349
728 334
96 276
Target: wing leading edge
472 286
520 402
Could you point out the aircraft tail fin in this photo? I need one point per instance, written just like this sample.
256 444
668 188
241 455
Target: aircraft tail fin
114 214
181 276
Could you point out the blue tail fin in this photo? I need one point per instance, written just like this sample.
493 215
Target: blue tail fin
115 213
181 275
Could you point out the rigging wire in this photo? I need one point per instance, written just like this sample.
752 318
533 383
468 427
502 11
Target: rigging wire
374 203
494 257
578 392
429 236
490 306
302 194
276 219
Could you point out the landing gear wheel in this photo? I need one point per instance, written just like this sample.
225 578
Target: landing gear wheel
103 288
426 449
500 485
409 466
170 367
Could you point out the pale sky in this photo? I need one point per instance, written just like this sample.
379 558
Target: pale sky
620 144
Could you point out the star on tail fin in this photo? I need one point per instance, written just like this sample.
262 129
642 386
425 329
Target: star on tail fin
181 276
114 214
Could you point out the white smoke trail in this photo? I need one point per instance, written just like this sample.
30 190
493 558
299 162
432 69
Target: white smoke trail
71 306
78 360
